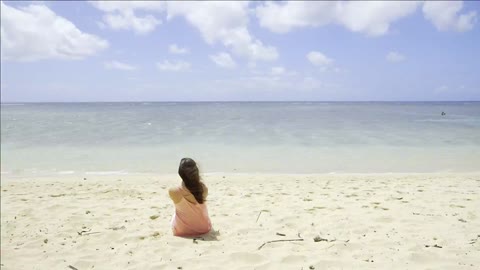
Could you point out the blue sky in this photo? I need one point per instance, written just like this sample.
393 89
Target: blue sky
239 51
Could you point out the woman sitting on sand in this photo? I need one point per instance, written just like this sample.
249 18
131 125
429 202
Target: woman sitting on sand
191 215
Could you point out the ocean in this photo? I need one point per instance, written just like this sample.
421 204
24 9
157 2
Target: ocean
239 137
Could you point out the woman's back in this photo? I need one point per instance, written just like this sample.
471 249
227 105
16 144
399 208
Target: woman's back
190 217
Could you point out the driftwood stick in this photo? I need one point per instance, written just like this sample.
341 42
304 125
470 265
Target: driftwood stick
90 233
282 240
72 267
326 185
320 239
259 215
82 232
435 246
474 240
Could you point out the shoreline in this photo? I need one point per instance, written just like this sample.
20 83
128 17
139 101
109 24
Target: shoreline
8 177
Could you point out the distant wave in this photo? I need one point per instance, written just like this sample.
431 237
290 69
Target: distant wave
12 104
107 173
467 120
65 172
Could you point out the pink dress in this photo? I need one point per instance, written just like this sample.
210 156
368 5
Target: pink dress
190 219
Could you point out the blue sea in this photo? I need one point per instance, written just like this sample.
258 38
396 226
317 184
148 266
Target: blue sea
243 137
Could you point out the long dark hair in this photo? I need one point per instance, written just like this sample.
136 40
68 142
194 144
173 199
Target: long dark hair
190 175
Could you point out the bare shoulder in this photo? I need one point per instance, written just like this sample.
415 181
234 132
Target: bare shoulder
173 190
175 194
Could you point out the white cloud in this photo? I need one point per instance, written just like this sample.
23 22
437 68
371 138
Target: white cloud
122 6
224 22
118 65
175 49
374 17
121 15
441 89
395 57
282 18
269 83
278 70
272 72
318 59
444 15
128 21
35 32
281 71
370 17
223 59
178 65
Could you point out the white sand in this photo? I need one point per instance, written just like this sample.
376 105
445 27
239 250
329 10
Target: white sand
383 221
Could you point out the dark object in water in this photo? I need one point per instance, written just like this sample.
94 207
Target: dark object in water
443 113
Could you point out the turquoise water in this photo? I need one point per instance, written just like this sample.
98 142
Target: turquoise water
290 137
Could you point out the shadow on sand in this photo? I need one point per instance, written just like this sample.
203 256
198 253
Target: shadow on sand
210 236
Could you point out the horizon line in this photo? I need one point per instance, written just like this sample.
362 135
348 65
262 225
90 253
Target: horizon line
240 101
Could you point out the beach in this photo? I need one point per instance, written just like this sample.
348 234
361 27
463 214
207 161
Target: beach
325 221
330 135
